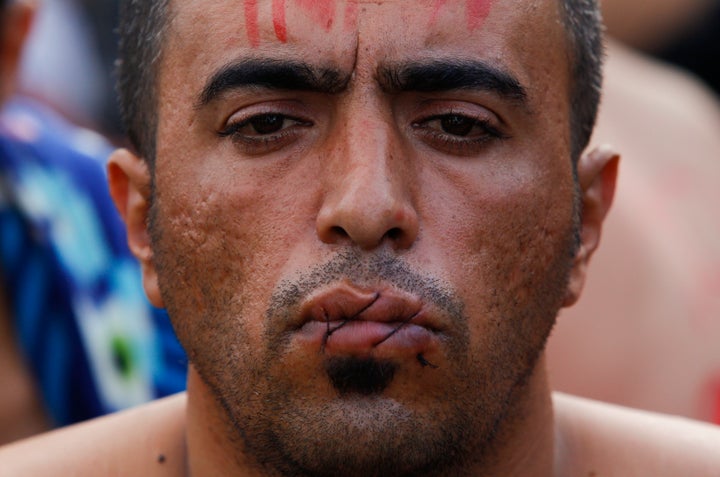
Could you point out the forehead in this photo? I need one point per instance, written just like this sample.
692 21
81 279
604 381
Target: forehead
523 36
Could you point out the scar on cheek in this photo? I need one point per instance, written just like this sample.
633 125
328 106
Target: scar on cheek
476 12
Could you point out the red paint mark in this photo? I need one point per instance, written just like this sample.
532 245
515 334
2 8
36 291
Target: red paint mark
351 16
705 293
477 12
251 22
715 394
322 11
279 23
436 10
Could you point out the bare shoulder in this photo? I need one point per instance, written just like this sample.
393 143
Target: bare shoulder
147 440
598 439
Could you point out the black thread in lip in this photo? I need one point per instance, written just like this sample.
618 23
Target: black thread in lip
354 317
424 362
397 328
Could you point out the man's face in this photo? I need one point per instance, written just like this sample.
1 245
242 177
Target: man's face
363 219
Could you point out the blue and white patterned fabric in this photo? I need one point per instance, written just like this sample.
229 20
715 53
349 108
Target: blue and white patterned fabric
91 338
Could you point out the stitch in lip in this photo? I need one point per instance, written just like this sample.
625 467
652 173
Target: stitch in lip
403 323
344 320
345 303
330 331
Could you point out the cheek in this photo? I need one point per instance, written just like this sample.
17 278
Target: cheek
214 249
505 246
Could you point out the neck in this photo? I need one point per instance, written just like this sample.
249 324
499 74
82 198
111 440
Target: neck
210 451
525 442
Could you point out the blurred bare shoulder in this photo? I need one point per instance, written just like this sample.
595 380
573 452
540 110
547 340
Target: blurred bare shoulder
147 440
603 439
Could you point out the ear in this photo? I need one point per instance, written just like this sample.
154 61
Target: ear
129 180
16 25
597 175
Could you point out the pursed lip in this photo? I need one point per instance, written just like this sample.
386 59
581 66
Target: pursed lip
346 303
347 320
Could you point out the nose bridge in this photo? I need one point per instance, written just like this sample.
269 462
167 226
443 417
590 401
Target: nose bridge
368 197
372 164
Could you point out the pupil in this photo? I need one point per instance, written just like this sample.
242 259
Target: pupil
457 125
267 124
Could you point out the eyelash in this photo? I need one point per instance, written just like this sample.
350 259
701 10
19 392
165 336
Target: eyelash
458 144
258 142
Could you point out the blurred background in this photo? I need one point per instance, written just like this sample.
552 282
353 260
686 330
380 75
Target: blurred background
68 62
78 337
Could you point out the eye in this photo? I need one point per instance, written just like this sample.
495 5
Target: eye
458 134
263 133
267 123
457 125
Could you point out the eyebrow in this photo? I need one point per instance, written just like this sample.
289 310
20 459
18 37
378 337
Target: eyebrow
272 74
446 75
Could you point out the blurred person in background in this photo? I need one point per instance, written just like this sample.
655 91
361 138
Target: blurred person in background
78 338
648 324
683 32
75 43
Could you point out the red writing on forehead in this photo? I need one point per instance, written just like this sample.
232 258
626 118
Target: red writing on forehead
351 16
436 10
322 11
279 23
713 389
251 22
476 11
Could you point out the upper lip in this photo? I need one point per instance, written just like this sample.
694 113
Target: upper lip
345 302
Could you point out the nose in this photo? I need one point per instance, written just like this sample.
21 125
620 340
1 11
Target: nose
368 200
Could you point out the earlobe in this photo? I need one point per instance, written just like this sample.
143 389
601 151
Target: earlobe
597 175
129 180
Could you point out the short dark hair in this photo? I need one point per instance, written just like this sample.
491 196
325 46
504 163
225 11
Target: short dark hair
583 25
143 24
142 34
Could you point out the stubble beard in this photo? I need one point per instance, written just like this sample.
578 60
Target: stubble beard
362 434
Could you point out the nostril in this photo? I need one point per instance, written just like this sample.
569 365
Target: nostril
394 233
338 232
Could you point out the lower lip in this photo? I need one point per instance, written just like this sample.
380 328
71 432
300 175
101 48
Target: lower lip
369 338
